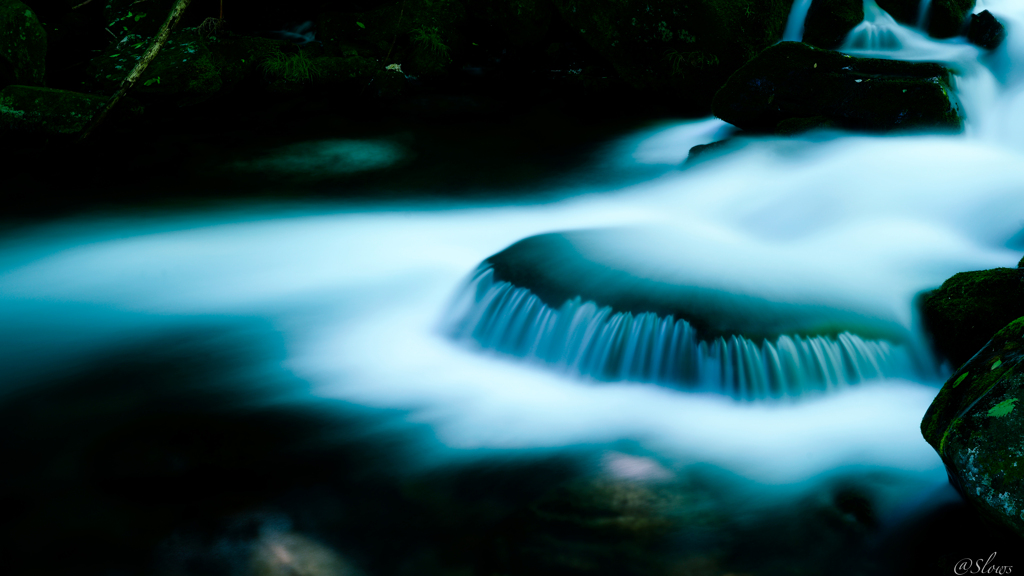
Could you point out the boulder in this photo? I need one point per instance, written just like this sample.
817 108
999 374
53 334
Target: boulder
792 80
46 112
963 313
22 45
985 31
686 49
976 422
829 21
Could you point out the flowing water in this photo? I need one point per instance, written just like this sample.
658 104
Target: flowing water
361 297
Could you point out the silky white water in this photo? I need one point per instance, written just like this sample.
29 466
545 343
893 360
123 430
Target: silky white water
359 294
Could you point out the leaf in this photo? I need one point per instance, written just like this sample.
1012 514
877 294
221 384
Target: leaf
997 364
1003 408
360 24
140 16
151 81
960 379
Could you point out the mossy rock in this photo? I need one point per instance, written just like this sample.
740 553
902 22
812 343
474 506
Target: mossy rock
985 31
423 36
829 21
946 18
686 50
976 424
795 80
22 45
963 313
46 112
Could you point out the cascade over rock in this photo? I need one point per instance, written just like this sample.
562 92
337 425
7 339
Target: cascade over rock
829 21
975 425
963 313
569 301
22 45
792 80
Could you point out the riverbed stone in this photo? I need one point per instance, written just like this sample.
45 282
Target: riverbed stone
829 21
686 49
22 45
985 31
963 313
45 111
975 424
795 80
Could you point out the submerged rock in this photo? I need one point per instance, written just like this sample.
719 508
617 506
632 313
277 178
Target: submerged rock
985 31
975 424
829 21
22 45
45 111
970 307
792 80
686 49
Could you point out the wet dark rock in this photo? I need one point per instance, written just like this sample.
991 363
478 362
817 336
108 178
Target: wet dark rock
970 307
46 112
22 45
702 152
985 31
792 80
975 425
946 18
687 50
829 21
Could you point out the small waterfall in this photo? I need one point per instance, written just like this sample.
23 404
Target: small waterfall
878 32
795 24
585 339
922 14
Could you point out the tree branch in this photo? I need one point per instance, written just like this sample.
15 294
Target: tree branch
154 48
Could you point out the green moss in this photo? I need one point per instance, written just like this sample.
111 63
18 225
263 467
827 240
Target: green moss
295 67
22 45
976 429
45 111
1002 409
